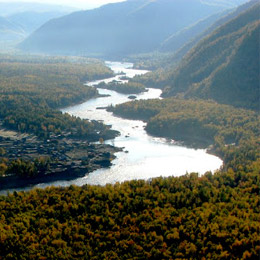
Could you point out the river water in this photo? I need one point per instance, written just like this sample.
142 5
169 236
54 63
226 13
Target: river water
144 156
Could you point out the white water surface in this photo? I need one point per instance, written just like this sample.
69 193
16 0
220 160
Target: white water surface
144 156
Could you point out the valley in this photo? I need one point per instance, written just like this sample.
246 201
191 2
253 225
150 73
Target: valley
130 131
44 144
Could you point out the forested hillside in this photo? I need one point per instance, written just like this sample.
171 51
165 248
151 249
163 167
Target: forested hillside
184 36
190 217
224 66
116 30
233 133
213 216
31 93
202 29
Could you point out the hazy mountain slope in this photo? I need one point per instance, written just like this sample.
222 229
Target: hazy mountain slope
8 9
177 40
224 66
204 26
5 24
18 20
168 55
130 27
228 3
178 55
30 21
10 31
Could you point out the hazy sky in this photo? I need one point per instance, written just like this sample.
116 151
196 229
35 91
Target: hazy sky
84 4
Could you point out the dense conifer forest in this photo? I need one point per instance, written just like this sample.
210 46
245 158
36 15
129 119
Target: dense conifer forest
223 65
33 91
232 133
210 216
214 216
189 217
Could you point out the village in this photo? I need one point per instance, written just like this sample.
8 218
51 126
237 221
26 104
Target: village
68 158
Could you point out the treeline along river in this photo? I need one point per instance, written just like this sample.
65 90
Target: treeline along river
144 156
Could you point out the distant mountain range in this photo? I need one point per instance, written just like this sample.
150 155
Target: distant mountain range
226 3
30 21
18 20
10 32
224 66
8 9
131 27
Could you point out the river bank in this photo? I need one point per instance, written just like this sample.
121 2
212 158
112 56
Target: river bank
66 158
143 156
146 156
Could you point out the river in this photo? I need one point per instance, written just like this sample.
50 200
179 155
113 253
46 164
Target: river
144 156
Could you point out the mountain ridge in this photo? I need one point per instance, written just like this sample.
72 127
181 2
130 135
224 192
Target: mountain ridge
209 61
113 29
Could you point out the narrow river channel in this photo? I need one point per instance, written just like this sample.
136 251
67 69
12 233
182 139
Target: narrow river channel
144 156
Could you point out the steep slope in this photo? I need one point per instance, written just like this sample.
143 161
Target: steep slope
224 66
130 27
30 21
189 45
10 31
177 40
8 9
18 20
202 27
169 53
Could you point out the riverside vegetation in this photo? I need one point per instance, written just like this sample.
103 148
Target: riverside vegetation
233 133
31 93
213 216
223 66
124 88
189 217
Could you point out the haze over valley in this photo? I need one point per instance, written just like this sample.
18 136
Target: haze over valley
129 129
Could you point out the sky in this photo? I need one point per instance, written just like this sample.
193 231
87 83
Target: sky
82 4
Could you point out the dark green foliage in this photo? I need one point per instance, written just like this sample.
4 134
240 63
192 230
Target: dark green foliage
32 91
190 217
125 88
26 169
224 66
233 132
168 61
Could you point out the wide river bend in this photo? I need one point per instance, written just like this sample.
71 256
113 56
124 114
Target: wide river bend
144 156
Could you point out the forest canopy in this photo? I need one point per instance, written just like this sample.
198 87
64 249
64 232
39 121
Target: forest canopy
234 133
32 91
189 217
